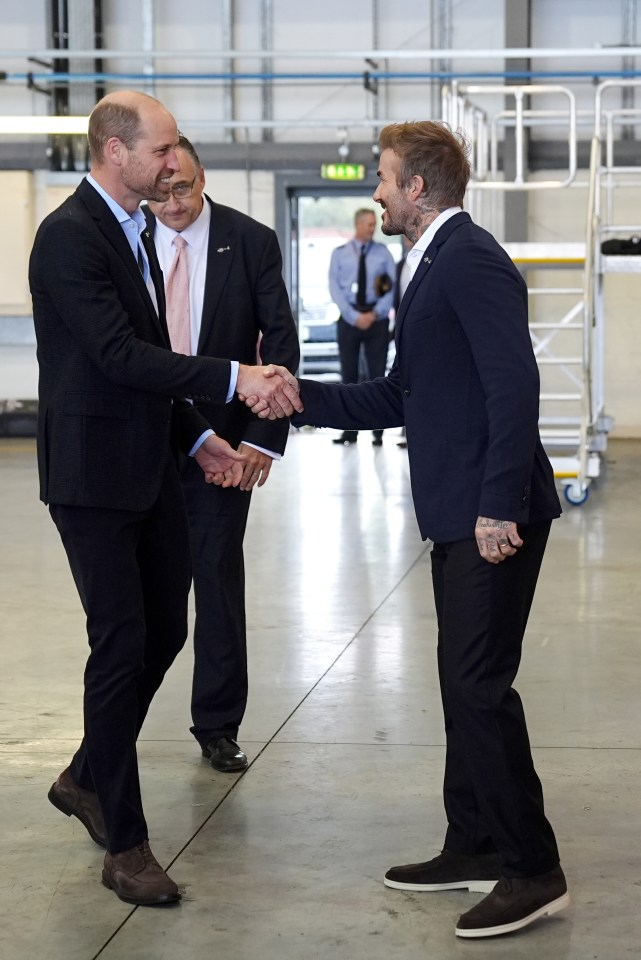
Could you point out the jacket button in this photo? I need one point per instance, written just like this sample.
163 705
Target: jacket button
407 391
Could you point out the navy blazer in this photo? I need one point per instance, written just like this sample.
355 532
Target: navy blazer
245 298
107 375
466 386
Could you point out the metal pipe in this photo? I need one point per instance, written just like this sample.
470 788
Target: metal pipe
509 53
229 111
614 75
147 39
601 90
267 39
629 36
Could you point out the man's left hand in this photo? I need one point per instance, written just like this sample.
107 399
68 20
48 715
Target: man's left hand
255 468
221 464
496 539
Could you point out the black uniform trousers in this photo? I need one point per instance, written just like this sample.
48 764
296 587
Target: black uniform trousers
375 342
132 571
493 796
217 521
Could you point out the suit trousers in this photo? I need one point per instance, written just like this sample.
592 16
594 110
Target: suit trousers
493 796
132 572
217 522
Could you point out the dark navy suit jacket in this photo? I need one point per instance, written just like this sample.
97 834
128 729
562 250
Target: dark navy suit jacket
466 386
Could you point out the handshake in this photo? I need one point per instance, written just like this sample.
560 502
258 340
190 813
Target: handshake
271 391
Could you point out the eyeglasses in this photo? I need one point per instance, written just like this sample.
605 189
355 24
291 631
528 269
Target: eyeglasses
182 190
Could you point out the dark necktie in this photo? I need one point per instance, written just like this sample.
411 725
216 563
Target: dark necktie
361 280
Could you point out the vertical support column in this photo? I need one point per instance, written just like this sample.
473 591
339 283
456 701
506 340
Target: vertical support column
229 110
375 89
148 42
267 43
628 39
517 34
440 39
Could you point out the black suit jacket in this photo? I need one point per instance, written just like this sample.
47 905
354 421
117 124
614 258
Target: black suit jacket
465 383
107 376
245 296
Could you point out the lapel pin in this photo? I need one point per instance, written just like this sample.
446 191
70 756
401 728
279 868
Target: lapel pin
222 249
427 259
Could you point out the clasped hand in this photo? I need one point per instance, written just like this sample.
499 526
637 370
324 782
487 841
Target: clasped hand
270 392
221 464
496 539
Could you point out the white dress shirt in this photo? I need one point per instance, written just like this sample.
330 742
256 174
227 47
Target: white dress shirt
415 255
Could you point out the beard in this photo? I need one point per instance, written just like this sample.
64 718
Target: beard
389 226
138 180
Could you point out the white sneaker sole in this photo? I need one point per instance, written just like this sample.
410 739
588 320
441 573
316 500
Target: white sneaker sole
474 886
546 911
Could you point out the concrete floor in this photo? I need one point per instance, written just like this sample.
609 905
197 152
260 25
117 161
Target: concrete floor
343 729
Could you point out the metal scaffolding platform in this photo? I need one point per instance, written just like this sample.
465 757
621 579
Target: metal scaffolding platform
568 309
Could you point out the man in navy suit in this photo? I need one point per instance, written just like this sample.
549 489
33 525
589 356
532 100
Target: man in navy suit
110 417
465 385
238 300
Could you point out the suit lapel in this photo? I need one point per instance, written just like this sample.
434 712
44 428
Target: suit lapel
427 261
113 233
221 250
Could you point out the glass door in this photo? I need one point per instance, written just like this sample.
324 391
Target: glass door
320 222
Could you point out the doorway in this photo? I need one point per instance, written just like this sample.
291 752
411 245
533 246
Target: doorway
320 220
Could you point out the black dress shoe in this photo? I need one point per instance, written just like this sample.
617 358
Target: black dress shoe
346 437
225 755
73 801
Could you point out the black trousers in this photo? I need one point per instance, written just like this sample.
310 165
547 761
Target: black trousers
493 796
217 522
374 341
132 572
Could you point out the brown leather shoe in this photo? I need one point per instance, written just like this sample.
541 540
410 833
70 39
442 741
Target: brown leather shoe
137 877
72 800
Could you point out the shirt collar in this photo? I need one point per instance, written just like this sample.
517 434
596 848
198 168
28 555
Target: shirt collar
414 255
121 215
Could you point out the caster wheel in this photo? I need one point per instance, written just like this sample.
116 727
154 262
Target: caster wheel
576 493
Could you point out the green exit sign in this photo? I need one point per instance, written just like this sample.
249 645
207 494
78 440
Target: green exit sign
343 171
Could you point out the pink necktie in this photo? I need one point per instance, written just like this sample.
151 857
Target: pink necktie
177 297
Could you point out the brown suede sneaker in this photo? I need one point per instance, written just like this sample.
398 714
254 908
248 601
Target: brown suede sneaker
448 871
515 903
136 877
73 801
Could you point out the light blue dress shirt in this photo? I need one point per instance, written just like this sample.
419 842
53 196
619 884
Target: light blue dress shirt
343 278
